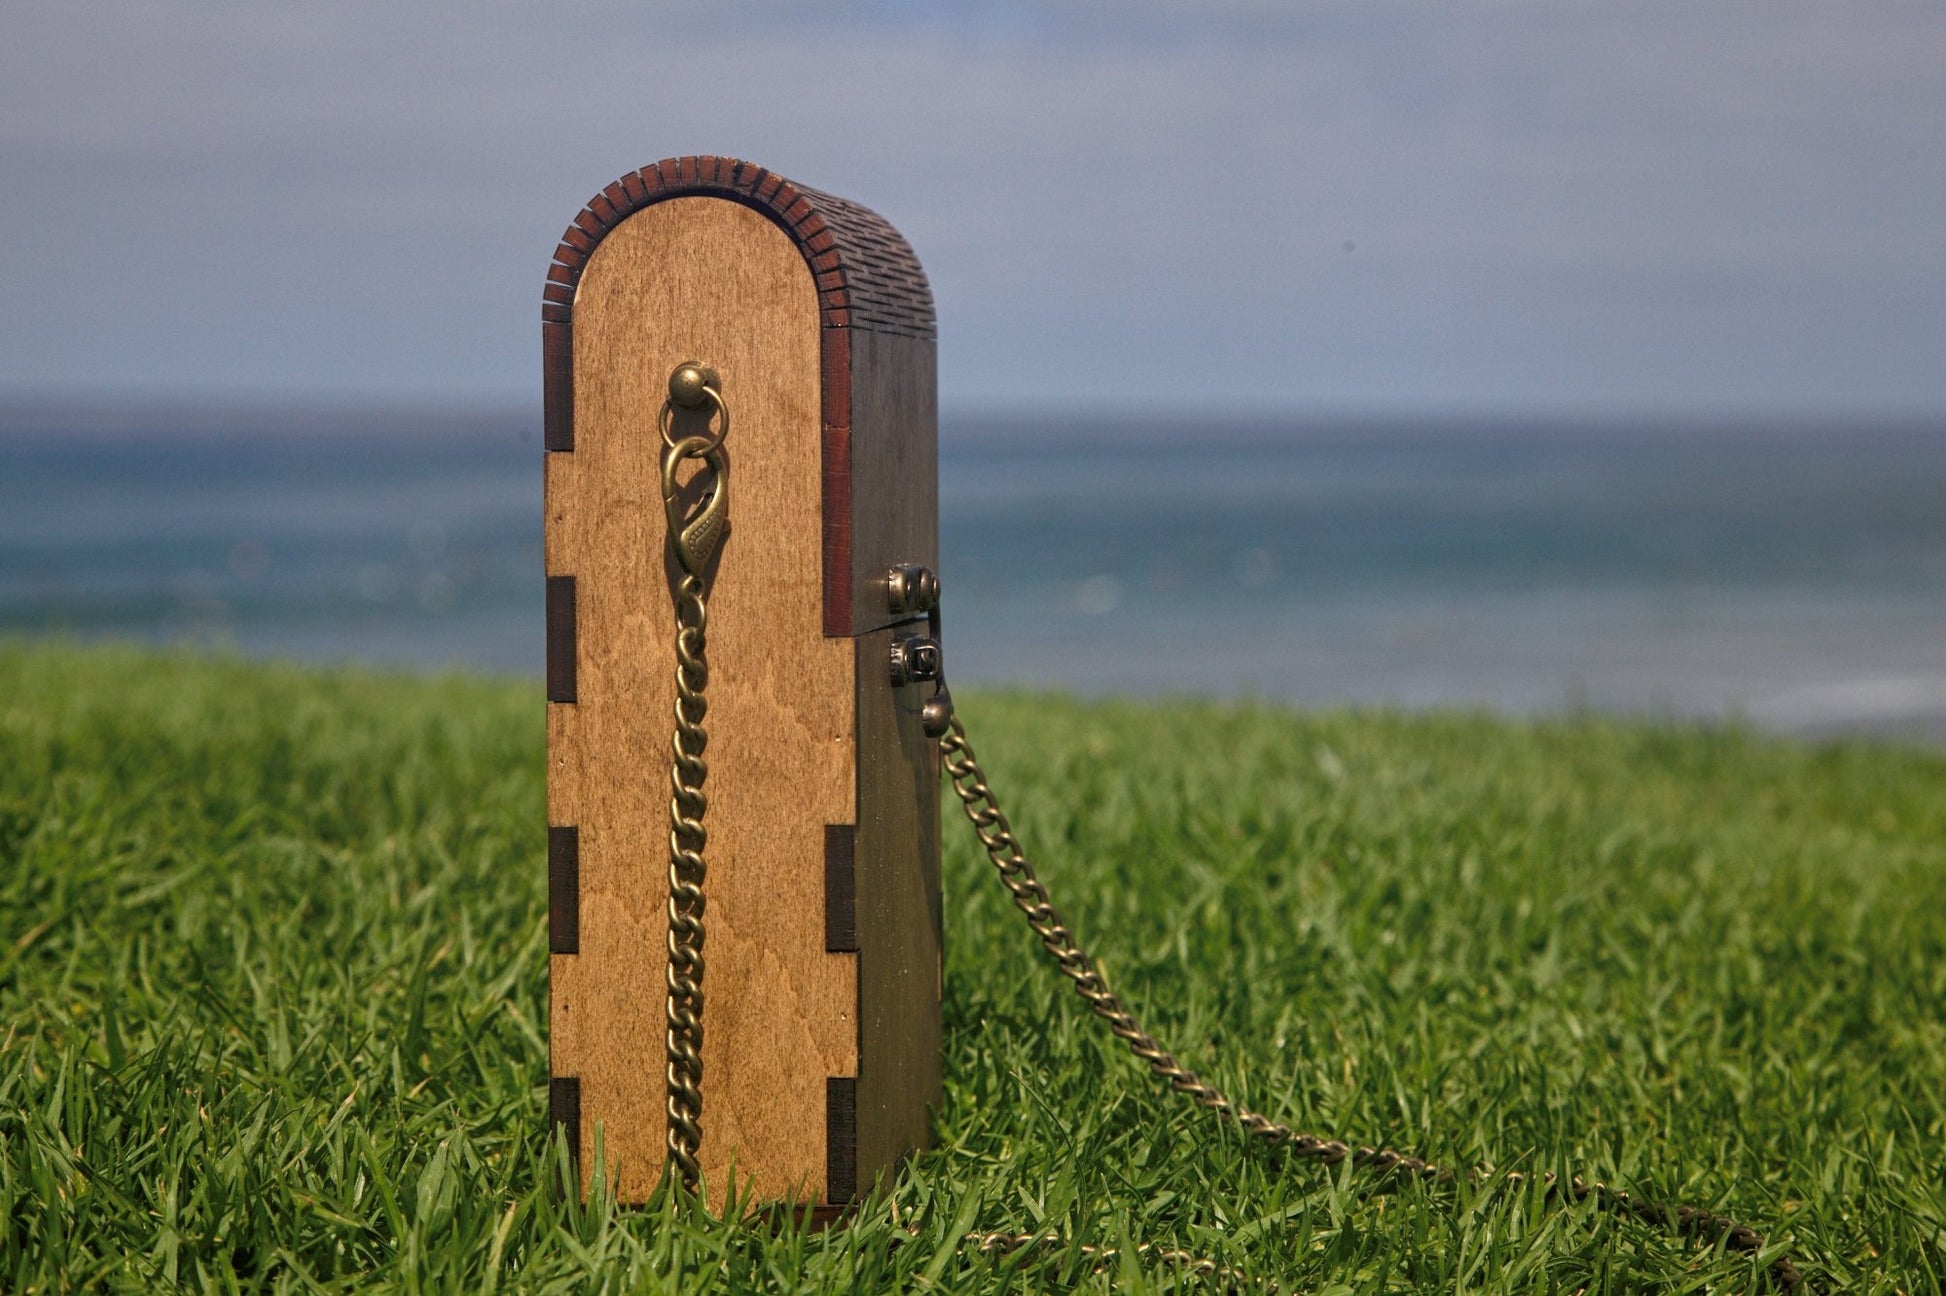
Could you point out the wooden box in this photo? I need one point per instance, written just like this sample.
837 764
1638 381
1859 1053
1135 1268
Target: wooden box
822 956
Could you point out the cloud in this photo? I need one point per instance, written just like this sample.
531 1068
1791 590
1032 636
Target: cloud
1339 205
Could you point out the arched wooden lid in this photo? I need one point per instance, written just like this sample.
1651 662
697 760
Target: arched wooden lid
867 275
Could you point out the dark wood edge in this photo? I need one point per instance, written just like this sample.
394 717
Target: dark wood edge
557 388
560 639
563 889
835 480
840 1139
840 889
564 1112
867 278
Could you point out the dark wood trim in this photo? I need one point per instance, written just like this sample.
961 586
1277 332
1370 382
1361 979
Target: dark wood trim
557 387
560 639
836 376
563 889
867 279
564 1110
840 1139
840 890
896 868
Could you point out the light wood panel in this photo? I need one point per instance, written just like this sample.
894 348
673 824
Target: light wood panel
821 1012
702 278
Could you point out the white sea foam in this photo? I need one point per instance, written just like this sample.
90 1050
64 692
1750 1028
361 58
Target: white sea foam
1872 699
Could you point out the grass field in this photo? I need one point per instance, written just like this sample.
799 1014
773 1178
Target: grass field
272 999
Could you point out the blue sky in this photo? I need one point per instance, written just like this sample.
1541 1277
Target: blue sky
1619 209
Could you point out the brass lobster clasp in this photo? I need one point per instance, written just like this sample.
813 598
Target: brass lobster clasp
696 530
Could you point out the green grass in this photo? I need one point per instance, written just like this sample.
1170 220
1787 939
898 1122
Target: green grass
272 998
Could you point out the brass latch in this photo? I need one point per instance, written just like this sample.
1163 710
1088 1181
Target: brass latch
912 588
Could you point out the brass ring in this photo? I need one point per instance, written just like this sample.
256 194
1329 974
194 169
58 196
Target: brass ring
693 384
690 447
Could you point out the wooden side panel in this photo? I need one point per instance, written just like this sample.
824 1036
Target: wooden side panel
895 515
710 279
899 955
894 465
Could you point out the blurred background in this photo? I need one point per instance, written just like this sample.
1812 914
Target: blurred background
1499 354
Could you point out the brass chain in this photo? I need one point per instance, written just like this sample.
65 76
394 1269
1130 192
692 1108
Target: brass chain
695 531
687 869
1003 849
694 535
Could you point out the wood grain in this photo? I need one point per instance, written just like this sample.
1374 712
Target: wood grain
899 927
698 277
867 280
820 1064
893 466
895 519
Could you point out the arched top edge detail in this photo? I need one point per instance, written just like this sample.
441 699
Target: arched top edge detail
867 275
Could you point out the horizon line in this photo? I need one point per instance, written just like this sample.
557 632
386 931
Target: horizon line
136 413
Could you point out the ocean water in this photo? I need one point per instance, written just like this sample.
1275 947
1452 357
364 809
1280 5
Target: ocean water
1794 577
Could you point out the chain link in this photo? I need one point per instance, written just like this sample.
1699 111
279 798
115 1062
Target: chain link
687 839
1003 849
694 533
